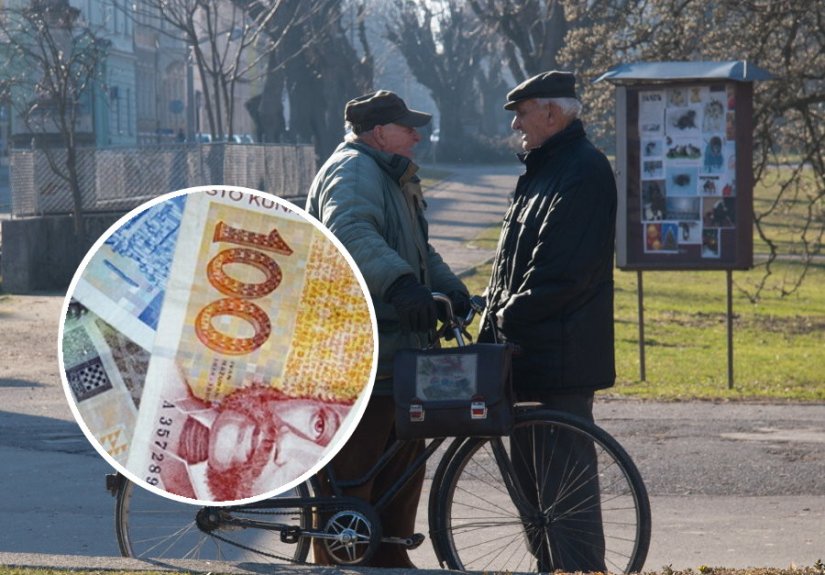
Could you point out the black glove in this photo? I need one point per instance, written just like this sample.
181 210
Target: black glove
461 303
414 304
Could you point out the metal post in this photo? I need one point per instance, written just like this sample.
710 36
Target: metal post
640 293
191 108
729 274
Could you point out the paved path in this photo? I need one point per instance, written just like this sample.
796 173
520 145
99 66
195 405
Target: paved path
731 484
472 200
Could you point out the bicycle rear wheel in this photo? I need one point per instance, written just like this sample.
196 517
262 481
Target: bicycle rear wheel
563 495
150 526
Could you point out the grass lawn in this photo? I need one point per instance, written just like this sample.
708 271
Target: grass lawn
779 343
785 220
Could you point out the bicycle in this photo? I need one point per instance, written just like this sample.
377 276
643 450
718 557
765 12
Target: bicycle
480 516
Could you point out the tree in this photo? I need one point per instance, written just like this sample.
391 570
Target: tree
228 41
54 64
319 70
788 38
444 46
533 32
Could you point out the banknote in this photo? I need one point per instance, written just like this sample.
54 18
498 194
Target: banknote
125 281
105 371
263 345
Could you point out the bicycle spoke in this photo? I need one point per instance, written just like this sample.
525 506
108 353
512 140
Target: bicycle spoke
517 547
503 509
172 539
496 549
155 543
492 480
475 525
544 466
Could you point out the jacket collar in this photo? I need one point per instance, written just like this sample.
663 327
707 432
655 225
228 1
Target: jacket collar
574 131
399 168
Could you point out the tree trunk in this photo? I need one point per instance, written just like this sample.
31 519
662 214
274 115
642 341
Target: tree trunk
270 107
77 194
452 144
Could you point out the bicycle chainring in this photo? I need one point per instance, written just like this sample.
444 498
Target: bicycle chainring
355 537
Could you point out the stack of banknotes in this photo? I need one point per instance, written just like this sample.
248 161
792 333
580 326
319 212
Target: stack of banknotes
218 346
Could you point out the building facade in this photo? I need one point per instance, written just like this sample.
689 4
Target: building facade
149 91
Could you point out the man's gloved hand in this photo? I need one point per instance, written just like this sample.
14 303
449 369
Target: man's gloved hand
461 303
414 304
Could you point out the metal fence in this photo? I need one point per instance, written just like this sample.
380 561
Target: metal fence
119 179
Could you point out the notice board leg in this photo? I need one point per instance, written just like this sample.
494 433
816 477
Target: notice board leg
641 297
729 274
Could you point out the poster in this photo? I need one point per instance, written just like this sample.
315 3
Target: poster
687 170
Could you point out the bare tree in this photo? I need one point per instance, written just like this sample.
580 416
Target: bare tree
229 42
444 45
53 66
319 69
786 37
533 32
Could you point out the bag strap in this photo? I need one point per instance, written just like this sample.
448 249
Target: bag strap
493 329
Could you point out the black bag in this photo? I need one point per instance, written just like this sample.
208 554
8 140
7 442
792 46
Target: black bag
463 391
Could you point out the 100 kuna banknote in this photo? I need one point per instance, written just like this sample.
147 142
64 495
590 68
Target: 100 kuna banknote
262 345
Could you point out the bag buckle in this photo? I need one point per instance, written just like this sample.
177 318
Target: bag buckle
478 409
416 412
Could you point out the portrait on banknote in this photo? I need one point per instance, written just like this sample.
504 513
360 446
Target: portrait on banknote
218 345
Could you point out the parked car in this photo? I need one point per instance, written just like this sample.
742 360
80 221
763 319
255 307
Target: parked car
233 139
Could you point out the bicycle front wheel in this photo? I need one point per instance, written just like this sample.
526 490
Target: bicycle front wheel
150 526
559 493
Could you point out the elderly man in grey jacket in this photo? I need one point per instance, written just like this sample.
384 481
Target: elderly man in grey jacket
367 193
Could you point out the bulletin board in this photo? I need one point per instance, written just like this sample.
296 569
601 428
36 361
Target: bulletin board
686 182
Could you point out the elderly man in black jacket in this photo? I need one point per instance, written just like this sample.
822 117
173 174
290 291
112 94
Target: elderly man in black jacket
551 294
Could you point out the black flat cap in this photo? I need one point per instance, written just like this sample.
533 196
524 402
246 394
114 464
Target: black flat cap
379 108
553 84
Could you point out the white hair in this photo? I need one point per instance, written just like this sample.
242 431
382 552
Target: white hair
570 107
350 134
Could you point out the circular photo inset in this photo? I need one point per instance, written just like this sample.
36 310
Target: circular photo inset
218 345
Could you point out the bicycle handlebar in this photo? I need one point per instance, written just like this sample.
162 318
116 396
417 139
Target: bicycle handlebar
457 324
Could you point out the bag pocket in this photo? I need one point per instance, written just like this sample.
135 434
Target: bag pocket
464 391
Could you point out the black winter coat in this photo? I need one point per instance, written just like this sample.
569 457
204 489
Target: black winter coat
551 290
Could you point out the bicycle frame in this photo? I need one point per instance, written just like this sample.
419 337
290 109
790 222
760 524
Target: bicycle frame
339 485
352 528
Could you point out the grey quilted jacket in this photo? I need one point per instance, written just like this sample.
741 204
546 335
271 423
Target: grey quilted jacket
372 202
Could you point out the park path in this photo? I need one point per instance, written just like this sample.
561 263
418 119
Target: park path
470 200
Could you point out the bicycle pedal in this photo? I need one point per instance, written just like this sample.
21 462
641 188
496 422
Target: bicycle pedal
113 481
416 540
412 542
290 534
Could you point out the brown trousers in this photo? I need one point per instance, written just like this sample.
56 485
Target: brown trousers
372 436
